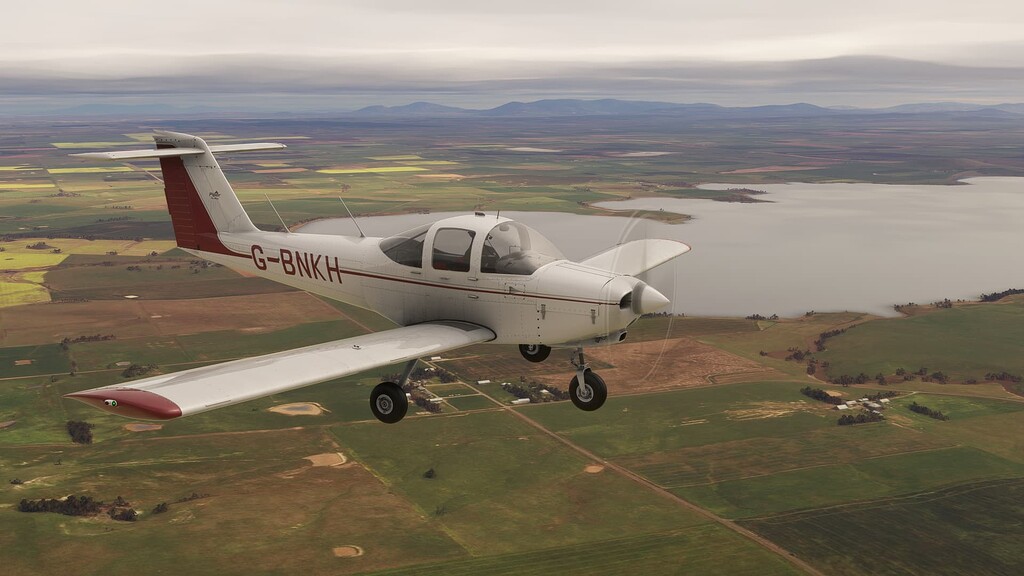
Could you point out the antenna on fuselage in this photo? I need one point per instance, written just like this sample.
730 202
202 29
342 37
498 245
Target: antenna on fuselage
286 229
361 235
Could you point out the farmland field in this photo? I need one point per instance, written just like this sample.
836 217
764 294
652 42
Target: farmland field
705 431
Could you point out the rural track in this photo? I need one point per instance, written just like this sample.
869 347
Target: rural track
729 524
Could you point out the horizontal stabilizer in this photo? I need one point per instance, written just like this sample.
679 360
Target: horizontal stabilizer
201 389
637 256
136 154
171 152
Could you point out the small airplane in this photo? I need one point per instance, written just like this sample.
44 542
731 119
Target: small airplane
458 281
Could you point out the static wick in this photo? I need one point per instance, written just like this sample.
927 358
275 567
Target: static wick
361 235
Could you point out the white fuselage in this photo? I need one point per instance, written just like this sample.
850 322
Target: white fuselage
561 303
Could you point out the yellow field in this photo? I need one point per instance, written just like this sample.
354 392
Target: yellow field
430 163
19 261
17 293
379 170
22 167
273 165
70 145
19 186
79 246
95 170
393 158
33 277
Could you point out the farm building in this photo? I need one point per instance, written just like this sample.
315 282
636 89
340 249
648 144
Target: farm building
842 407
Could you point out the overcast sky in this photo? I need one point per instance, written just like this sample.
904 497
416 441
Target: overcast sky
362 52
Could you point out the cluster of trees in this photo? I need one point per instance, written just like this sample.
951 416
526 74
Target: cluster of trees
160 508
879 395
193 496
137 370
535 391
819 344
424 402
80 431
759 317
939 377
937 414
797 355
1000 295
1003 376
947 303
862 418
70 506
821 395
846 379
115 219
67 342
39 246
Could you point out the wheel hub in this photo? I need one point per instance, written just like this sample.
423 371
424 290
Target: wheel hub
384 404
585 393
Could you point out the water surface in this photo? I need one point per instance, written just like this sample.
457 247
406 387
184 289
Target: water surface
823 247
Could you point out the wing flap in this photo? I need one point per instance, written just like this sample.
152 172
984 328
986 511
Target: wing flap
637 256
201 389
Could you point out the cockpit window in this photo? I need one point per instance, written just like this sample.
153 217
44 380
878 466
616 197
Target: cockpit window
406 247
451 249
514 248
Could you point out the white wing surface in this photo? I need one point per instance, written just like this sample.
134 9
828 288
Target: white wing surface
201 389
637 256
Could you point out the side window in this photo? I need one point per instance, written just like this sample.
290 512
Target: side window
408 251
451 249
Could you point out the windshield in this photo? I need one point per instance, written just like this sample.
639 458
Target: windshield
514 248
406 247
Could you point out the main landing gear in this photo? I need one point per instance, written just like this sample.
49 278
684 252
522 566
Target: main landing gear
535 352
388 401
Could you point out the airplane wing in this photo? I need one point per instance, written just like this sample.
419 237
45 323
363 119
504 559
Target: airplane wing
209 387
637 256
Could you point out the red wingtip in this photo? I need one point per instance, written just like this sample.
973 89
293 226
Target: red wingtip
130 403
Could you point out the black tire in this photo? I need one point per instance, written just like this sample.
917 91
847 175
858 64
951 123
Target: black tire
535 352
591 395
388 402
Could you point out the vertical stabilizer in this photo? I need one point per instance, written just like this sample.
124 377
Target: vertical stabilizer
199 198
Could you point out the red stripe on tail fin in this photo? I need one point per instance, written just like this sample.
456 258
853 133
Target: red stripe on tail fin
193 227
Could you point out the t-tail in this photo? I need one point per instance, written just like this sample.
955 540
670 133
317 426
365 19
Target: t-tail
199 197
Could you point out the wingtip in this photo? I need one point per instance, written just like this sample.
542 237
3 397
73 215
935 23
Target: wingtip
130 403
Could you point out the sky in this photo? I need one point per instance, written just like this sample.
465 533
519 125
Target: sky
479 54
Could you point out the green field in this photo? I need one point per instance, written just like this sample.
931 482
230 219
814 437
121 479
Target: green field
966 341
912 534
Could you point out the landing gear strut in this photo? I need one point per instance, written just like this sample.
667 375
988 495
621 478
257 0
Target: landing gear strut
535 352
587 390
388 401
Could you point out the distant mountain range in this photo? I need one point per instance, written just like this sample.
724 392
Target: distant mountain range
612 107
551 108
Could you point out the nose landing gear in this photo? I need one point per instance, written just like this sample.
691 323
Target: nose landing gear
587 390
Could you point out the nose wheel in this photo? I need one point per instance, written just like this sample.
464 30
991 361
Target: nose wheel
587 390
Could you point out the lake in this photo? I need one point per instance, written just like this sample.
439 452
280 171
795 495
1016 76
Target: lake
822 247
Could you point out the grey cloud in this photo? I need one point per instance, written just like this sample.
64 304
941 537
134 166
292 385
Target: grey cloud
826 80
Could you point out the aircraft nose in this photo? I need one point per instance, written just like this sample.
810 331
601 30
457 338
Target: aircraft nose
650 300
